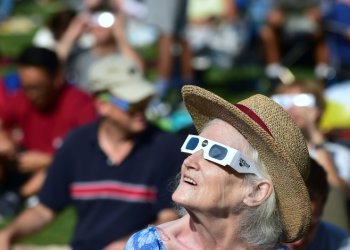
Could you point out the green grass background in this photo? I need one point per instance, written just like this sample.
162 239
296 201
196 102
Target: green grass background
57 233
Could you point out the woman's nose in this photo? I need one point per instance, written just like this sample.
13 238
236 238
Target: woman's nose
194 160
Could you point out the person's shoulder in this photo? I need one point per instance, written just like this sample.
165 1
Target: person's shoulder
83 134
147 238
85 129
162 137
74 93
332 236
334 230
18 101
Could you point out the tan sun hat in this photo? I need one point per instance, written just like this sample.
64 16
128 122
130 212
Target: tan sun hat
278 140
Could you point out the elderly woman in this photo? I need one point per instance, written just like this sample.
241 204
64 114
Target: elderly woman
243 182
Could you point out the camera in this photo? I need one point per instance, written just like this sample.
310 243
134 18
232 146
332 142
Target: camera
103 19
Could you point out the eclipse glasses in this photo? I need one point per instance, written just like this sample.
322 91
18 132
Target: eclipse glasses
298 100
220 154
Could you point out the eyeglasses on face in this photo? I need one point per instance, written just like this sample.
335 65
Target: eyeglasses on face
220 154
298 100
124 105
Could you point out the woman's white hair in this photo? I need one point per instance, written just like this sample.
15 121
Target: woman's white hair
260 226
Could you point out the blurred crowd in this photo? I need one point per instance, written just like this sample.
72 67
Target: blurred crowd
82 122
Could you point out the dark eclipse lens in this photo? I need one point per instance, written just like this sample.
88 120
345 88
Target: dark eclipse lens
192 143
217 152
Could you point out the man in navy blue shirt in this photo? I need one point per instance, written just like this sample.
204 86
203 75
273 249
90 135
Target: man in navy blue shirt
321 235
117 171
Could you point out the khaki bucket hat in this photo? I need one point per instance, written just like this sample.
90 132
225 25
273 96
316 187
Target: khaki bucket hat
278 140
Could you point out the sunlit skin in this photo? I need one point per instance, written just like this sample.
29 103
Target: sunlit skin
132 122
91 3
208 193
101 35
39 87
303 116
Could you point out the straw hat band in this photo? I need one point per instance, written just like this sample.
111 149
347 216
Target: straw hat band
254 117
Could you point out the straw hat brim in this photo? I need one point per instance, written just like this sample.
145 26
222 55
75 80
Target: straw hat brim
288 181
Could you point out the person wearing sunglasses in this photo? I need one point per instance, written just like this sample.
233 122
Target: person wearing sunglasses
305 103
242 185
116 171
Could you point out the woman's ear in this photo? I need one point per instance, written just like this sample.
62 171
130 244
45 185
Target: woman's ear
258 194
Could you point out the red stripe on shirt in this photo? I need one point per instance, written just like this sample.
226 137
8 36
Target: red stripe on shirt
113 190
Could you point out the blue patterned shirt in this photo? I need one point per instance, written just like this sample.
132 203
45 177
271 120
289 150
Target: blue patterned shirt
146 239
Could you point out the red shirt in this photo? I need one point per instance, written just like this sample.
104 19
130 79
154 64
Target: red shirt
45 131
3 95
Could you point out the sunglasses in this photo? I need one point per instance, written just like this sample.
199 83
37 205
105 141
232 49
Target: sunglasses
122 104
220 154
298 100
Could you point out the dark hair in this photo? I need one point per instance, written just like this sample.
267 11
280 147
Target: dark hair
317 183
41 58
103 6
60 21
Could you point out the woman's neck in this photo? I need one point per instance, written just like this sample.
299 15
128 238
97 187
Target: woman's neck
194 232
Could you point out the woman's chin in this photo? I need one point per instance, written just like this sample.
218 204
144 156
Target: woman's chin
182 198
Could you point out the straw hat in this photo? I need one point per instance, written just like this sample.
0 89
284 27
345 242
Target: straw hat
278 140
